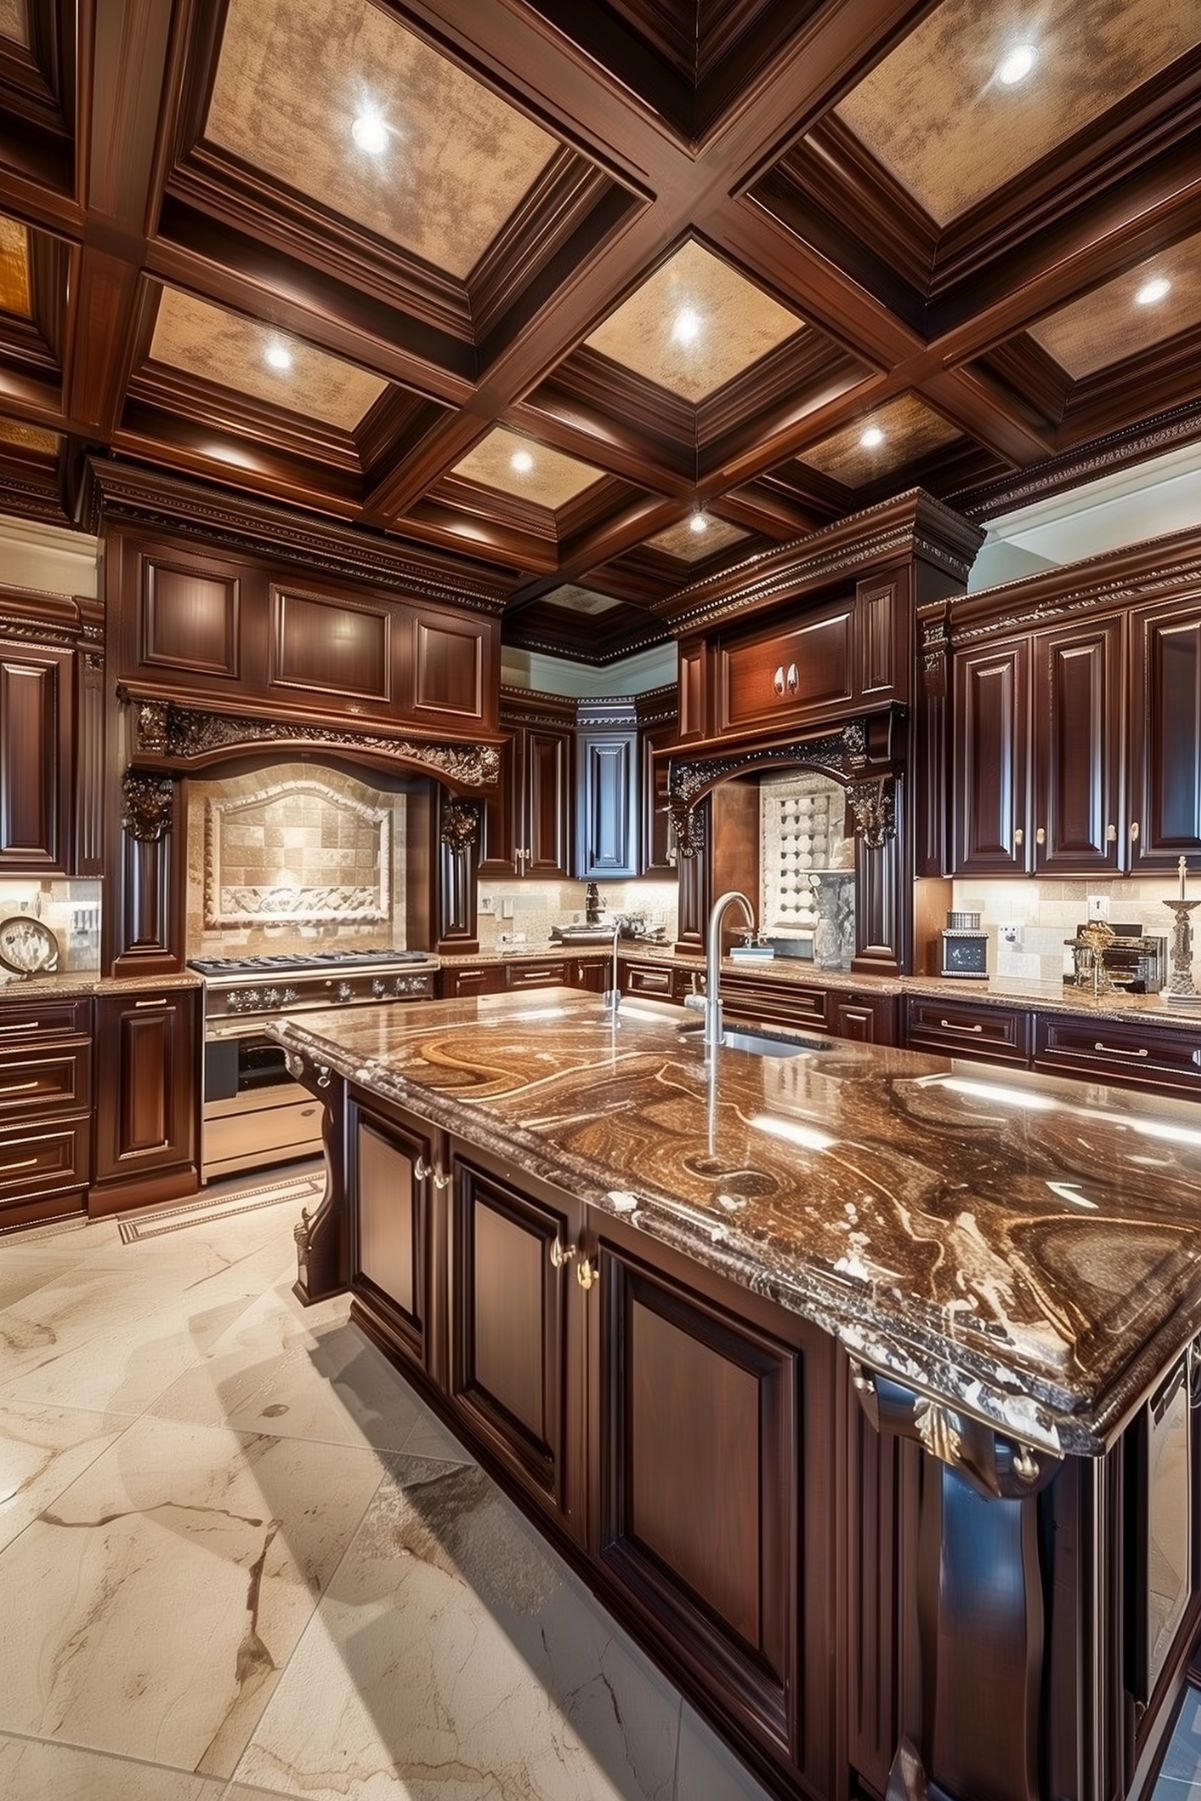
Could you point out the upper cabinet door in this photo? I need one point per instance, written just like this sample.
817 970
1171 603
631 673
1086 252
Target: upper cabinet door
607 806
777 676
547 785
1165 735
1077 749
453 682
990 777
500 817
36 713
657 855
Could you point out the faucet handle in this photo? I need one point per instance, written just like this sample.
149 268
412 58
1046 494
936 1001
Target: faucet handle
695 1002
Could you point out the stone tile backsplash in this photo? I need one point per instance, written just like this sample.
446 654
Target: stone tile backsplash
70 909
1048 912
533 908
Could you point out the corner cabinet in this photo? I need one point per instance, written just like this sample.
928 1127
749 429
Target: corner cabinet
526 827
148 1056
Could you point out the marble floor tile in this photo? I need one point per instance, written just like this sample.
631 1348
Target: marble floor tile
455 1658
707 1771
42 1451
274 1376
35 1770
164 1591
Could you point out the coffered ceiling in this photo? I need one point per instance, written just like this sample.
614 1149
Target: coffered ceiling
541 289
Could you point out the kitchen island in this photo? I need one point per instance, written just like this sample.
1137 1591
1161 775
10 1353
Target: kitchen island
855 1381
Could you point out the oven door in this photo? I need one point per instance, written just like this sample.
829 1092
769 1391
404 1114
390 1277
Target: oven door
255 1115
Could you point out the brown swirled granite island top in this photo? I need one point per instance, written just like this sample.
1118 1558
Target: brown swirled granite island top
1023 1246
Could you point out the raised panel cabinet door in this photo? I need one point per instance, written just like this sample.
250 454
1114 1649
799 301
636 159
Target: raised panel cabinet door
546 798
393 1167
500 815
146 1083
450 662
706 1427
778 675
189 618
657 852
332 648
35 759
1165 735
991 762
1078 749
607 805
515 1312
693 710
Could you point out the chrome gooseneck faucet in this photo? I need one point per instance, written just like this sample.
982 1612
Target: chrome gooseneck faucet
611 999
710 1002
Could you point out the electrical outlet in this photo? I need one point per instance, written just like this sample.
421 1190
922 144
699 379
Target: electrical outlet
1012 936
1098 906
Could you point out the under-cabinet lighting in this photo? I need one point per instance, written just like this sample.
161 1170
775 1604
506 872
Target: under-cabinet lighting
808 1137
1016 64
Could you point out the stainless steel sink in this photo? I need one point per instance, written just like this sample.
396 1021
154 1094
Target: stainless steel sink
763 1044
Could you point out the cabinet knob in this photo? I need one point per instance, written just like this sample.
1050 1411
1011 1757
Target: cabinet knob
1111 834
586 1273
777 680
794 679
1134 831
561 1253
1040 837
1019 836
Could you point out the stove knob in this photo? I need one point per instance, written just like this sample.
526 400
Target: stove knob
290 995
271 997
379 988
345 991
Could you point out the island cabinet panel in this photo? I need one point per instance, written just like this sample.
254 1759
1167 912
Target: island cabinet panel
36 715
392 1165
147 1086
990 765
709 1491
1165 735
1078 749
516 1331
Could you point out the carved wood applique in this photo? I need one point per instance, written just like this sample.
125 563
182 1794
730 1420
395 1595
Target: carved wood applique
460 827
147 805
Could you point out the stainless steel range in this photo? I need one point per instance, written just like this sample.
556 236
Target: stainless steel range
254 1113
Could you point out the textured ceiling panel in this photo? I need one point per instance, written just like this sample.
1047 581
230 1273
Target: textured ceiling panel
294 75
938 117
14 23
223 348
551 480
681 541
910 430
694 325
1110 323
581 600
14 267
29 437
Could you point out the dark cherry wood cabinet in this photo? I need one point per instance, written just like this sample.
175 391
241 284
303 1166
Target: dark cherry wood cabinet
990 793
147 1097
1165 734
45 1109
526 826
657 852
968 1029
36 745
515 1323
865 1018
784 675
391 1171
607 805
1077 720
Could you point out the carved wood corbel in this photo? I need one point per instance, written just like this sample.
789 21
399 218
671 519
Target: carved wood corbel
459 829
873 806
147 803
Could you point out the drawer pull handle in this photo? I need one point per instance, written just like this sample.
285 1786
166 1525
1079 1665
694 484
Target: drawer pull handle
586 1274
1134 831
777 680
561 1253
26 1163
18 1087
160 1002
949 1025
28 1025
794 680
422 1170
1115 1050
441 1178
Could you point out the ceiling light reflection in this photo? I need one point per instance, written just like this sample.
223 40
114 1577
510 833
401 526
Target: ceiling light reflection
997 1091
1153 291
686 328
370 133
872 438
791 1130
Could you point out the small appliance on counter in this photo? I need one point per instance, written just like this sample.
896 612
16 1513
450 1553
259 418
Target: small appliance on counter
963 947
1123 956
753 950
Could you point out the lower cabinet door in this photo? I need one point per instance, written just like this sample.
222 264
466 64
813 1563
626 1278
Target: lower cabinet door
706 1511
516 1332
393 1169
146 1086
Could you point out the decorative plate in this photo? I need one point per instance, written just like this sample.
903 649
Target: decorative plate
27 946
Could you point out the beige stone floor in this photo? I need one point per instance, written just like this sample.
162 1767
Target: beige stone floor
238 1557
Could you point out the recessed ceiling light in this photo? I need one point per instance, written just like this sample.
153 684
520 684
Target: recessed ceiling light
278 356
370 133
522 461
1017 64
872 438
687 326
698 522
1154 290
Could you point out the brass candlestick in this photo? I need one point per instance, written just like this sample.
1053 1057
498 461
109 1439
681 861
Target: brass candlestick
1181 989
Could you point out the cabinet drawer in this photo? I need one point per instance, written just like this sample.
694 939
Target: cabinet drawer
297 1125
867 1018
457 984
648 978
1001 1034
1136 1055
37 1159
38 1081
777 1003
32 1021
777 675
535 975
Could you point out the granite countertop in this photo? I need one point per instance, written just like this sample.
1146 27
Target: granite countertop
68 983
1000 1239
